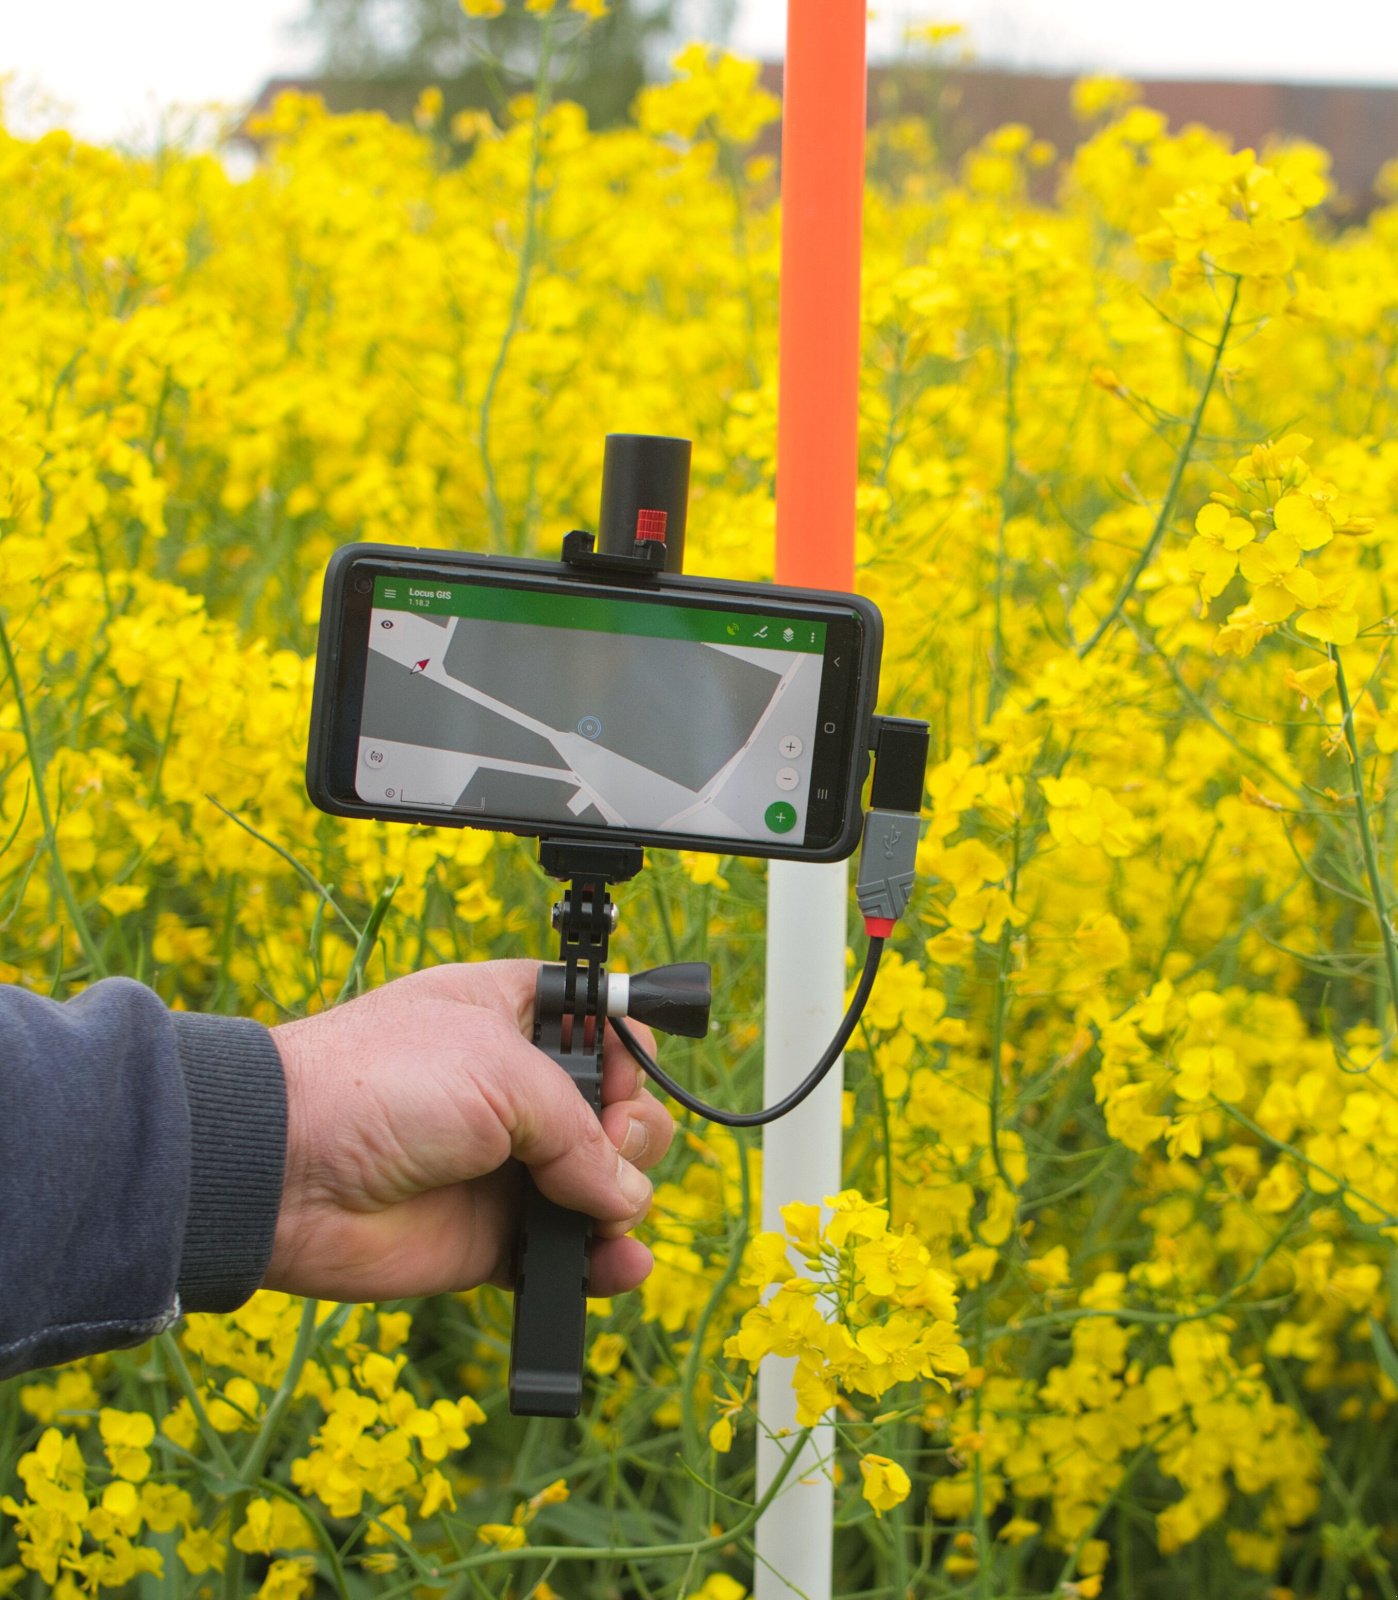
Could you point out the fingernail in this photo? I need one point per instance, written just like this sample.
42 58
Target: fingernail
635 1186
633 1146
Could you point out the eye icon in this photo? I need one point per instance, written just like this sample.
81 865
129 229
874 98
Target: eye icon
386 623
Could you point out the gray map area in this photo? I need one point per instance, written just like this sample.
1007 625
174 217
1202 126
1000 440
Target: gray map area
402 705
641 694
520 794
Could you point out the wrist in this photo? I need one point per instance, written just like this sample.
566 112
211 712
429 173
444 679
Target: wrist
235 1088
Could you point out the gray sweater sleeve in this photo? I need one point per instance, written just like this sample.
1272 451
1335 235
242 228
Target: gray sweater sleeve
141 1157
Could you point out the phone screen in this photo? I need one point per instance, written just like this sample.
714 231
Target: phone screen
550 706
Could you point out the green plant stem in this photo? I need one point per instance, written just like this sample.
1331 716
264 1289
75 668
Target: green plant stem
998 1016
1205 714
367 940
1160 1319
303 872
885 1128
1182 905
36 769
1366 832
1337 1481
1167 505
979 1515
662 915
153 791
1387 847
251 1468
528 245
998 675
1386 1217
736 1247
614 1552
1113 1499
997 1047
898 1517
731 168
210 1435
233 1571
322 1535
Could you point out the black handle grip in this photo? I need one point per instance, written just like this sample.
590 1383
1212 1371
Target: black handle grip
550 1326
546 1347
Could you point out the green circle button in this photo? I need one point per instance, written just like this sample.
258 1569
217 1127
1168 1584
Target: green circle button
780 817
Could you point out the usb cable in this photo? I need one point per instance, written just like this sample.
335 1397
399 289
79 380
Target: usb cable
883 887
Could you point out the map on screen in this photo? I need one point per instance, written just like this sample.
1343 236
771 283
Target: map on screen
557 708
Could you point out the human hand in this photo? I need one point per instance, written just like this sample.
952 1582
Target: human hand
402 1109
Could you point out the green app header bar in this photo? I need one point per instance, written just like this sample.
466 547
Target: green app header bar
644 619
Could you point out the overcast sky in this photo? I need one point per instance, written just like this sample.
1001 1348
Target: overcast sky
113 63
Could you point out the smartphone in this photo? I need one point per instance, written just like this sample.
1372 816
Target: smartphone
527 697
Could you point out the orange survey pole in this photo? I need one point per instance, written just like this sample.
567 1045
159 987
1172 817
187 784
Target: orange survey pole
807 905
822 179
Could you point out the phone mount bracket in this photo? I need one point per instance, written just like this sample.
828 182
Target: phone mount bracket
646 561
570 1019
645 488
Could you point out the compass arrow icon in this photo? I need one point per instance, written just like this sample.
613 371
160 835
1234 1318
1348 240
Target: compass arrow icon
420 666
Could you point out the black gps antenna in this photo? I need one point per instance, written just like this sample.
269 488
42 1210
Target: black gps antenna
645 495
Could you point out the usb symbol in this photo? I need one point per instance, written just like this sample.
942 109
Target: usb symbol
890 839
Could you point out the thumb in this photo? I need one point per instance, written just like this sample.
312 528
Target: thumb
557 1135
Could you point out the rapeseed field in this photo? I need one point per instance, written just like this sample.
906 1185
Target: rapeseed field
1106 1305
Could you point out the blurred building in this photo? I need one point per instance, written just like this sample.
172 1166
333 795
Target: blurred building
1358 125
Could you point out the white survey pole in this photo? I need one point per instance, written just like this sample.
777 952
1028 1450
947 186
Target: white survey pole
806 909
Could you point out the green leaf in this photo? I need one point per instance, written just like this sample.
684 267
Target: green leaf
1383 1349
